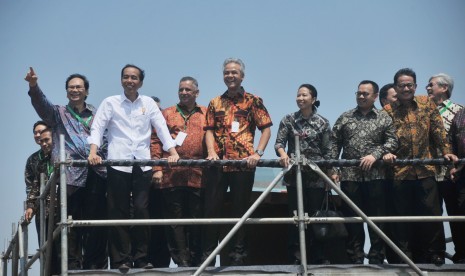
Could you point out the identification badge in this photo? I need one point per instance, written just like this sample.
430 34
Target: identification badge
180 138
235 126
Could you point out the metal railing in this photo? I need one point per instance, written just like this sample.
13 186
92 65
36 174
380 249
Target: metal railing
17 249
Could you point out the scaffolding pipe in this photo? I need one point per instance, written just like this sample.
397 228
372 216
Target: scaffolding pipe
238 225
63 209
300 207
369 222
50 228
42 220
272 163
42 249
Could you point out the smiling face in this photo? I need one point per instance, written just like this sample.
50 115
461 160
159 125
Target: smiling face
37 131
304 99
187 93
76 91
131 81
391 96
436 91
405 87
233 76
46 142
366 97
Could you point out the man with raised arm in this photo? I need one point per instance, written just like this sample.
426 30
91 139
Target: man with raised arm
85 187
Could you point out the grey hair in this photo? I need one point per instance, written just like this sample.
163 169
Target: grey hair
444 79
237 61
193 80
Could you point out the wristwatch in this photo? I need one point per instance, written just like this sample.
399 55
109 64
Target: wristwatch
259 152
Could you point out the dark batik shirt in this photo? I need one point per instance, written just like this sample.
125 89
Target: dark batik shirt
315 144
457 136
63 122
45 166
447 109
420 131
359 135
31 170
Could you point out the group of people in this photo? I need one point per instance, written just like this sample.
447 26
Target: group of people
131 126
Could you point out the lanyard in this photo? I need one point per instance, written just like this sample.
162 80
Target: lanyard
445 108
186 118
85 123
49 166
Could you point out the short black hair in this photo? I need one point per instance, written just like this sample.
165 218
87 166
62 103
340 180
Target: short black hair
383 92
39 123
141 72
374 84
79 76
405 72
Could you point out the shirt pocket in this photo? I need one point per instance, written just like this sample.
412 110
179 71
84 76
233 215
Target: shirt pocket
241 116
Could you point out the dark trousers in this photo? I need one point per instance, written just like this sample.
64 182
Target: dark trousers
55 268
87 246
119 188
453 194
158 253
313 198
370 197
184 241
217 183
418 240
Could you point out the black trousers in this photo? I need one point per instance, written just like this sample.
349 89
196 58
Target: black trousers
240 185
184 241
418 240
87 246
158 253
313 198
370 197
453 194
119 188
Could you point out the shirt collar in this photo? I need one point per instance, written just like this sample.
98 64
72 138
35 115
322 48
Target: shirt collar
124 98
444 103
241 94
197 108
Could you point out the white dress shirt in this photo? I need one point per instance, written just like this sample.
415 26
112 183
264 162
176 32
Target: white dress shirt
129 127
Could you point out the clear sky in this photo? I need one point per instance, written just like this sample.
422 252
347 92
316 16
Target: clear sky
332 44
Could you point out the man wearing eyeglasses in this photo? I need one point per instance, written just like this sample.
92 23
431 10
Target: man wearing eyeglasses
85 187
367 134
420 131
439 89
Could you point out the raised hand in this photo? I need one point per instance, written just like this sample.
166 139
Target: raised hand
31 77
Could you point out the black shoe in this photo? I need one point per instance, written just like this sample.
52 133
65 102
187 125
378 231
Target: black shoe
437 260
124 268
357 261
323 262
143 265
184 263
375 261
237 262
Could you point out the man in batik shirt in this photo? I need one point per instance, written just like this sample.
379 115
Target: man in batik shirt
182 187
31 164
440 89
85 186
420 131
457 136
230 130
364 133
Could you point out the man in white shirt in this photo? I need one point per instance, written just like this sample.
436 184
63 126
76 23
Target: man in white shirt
129 119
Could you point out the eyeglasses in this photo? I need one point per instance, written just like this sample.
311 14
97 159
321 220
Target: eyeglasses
431 84
364 94
77 87
403 85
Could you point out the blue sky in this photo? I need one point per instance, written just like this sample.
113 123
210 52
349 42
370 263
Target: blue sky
331 44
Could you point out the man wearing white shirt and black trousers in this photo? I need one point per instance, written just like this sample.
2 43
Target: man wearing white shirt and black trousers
129 119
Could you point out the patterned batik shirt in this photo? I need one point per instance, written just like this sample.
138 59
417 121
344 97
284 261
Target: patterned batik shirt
45 166
420 131
359 135
193 147
315 144
249 112
62 121
457 136
447 109
30 171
